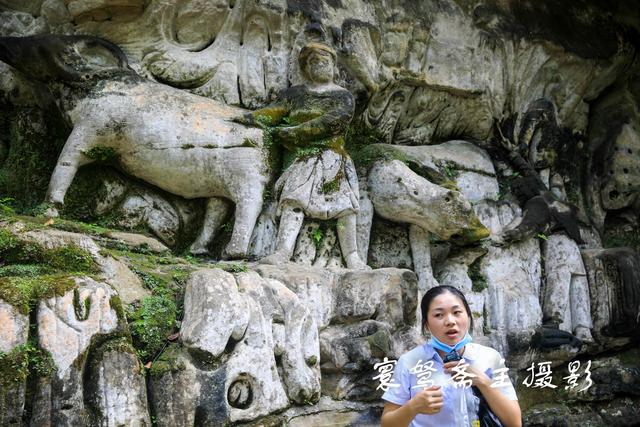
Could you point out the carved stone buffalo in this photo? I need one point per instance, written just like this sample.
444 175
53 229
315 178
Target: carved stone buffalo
182 143
398 194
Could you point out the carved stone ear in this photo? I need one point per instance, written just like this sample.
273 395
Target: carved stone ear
97 54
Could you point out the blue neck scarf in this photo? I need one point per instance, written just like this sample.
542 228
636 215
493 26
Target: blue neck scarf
439 345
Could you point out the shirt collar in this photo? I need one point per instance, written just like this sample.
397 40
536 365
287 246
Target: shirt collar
431 353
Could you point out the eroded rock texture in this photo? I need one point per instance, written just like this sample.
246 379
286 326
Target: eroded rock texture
494 145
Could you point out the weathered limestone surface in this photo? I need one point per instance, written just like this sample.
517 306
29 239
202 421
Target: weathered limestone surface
114 272
481 108
14 331
67 327
15 327
67 323
566 298
513 279
120 393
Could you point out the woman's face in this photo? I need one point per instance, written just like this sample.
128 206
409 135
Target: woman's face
447 318
319 67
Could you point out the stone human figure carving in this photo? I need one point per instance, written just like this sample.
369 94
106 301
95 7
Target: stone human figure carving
319 178
566 301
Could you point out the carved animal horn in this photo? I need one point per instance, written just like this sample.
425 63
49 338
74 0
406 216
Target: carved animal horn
54 57
35 56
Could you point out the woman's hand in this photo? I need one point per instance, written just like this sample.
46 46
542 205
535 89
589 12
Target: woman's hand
466 373
429 401
508 411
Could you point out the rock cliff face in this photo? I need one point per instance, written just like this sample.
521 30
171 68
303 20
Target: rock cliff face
496 150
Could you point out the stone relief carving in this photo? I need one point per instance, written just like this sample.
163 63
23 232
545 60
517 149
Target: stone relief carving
319 180
156 133
472 117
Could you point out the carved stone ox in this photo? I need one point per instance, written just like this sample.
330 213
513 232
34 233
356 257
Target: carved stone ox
401 195
177 141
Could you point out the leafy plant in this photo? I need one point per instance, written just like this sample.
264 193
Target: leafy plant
16 365
317 236
6 205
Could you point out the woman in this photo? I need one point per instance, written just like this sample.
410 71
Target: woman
428 394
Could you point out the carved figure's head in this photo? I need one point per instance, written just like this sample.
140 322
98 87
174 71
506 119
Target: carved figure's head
62 58
317 61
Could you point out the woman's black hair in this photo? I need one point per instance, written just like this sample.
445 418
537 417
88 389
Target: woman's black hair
434 292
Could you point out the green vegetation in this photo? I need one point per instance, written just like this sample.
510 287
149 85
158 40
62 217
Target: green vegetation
16 365
150 322
32 139
357 138
449 169
478 281
233 267
621 236
317 236
32 272
14 250
25 292
24 270
271 149
6 206
333 185
168 361
88 187
153 318
101 153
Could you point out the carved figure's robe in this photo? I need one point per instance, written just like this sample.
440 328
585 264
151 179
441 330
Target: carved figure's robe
319 176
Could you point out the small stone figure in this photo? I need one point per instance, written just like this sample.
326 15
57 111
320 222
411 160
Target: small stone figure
319 179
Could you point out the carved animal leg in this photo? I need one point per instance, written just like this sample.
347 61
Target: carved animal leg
556 296
421 253
580 308
364 220
301 352
290 224
348 242
216 214
71 158
247 210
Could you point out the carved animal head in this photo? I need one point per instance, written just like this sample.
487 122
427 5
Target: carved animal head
62 58
401 195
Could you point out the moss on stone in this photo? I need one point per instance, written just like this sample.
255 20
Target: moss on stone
116 305
33 272
168 361
380 340
87 187
28 162
71 258
25 292
151 322
23 360
478 281
101 153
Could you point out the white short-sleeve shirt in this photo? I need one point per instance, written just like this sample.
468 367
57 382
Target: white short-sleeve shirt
409 374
